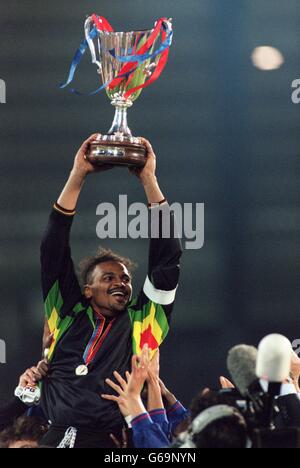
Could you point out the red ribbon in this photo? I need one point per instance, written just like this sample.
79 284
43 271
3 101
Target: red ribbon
159 69
103 25
156 74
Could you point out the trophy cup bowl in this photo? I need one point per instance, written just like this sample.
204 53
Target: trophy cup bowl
119 147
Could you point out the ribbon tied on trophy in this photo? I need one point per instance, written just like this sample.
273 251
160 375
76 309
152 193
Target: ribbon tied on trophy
128 62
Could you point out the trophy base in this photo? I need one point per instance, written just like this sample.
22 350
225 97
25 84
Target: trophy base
110 150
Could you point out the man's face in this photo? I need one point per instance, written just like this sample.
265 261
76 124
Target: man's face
110 289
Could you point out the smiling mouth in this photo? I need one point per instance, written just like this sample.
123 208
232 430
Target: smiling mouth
119 295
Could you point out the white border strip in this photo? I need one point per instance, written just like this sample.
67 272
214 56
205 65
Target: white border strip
157 296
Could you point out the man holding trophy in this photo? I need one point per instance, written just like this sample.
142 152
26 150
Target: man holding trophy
96 330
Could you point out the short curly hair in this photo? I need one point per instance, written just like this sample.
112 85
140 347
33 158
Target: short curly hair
88 265
24 428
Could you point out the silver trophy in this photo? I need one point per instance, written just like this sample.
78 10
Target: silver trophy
119 147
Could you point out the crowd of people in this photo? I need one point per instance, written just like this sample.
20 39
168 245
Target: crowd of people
153 417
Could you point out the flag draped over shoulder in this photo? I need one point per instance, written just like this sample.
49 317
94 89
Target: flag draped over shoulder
149 326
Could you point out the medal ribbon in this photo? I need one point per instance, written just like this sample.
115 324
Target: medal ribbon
132 61
96 341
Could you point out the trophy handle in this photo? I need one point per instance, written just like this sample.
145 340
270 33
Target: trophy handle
168 23
88 26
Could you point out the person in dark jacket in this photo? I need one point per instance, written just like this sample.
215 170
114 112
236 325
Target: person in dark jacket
97 331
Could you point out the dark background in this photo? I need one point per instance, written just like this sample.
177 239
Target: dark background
225 133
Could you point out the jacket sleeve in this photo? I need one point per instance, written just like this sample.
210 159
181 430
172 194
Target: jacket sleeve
176 415
147 434
151 311
164 258
61 289
159 417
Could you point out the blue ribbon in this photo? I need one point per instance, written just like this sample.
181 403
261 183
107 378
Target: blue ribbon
142 58
129 58
77 58
125 75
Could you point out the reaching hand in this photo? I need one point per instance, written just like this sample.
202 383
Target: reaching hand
148 172
154 367
164 391
35 374
130 389
121 390
140 368
225 383
82 166
32 376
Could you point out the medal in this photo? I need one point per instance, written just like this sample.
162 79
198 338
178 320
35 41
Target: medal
93 346
82 371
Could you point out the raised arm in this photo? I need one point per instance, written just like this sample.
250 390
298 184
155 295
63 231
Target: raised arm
148 178
81 169
150 314
164 253
61 288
